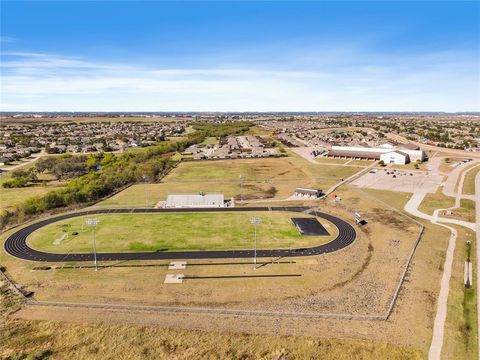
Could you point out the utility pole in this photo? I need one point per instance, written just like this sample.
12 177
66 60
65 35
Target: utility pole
93 222
145 187
242 177
255 221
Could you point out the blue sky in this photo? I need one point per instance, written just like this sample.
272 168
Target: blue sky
240 56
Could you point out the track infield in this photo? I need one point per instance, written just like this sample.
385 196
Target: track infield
16 244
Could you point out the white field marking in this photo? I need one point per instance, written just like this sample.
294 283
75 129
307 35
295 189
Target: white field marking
177 265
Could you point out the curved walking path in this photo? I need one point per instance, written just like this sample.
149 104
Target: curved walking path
412 207
436 345
16 244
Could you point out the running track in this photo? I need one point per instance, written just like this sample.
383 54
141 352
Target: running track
16 244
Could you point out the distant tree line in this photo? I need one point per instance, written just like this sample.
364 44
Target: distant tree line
224 129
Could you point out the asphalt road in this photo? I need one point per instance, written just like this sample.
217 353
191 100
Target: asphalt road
16 244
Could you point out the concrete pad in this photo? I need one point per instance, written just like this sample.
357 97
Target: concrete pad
418 182
467 276
173 279
177 265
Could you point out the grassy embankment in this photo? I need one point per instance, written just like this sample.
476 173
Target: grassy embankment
469 182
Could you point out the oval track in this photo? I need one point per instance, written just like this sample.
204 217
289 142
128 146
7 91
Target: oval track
16 244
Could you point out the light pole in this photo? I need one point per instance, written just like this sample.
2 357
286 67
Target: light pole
255 221
241 177
145 186
93 222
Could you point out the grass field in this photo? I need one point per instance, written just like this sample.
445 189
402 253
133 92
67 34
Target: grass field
360 163
60 340
263 179
435 201
465 212
469 182
410 166
210 140
461 324
446 165
394 199
9 198
438 200
326 160
177 231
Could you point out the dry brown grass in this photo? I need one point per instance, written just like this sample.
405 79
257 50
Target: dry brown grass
273 178
59 340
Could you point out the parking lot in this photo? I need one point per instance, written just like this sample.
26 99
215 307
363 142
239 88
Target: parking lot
399 180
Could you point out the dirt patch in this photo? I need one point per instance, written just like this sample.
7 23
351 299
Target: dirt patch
386 217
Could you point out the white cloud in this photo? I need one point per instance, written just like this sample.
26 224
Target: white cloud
7 39
49 82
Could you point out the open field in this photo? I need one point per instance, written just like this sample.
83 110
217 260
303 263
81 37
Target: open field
435 201
438 200
263 179
465 212
396 199
409 166
364 163
61 340
326 160
9 198
448 164
177 231
210 140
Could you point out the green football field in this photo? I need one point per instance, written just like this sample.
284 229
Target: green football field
176 231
